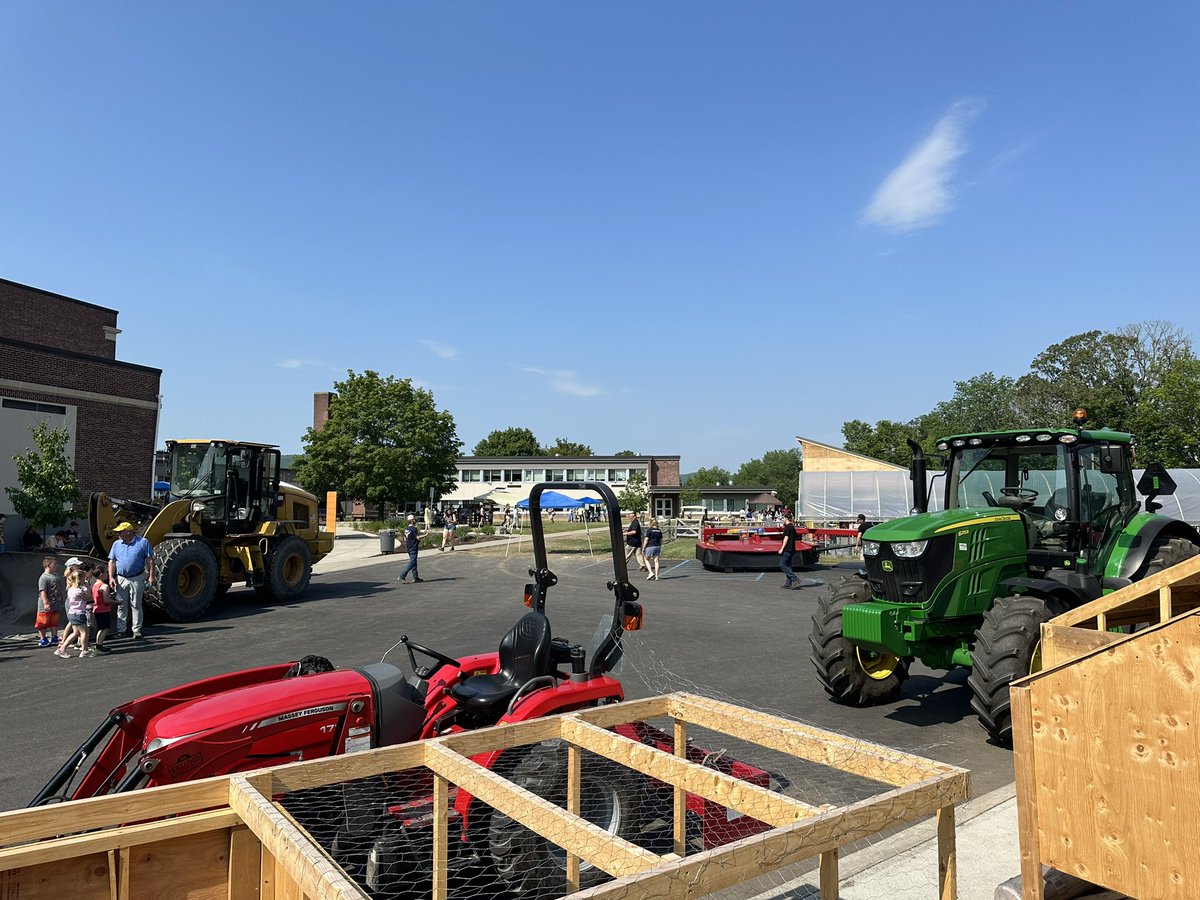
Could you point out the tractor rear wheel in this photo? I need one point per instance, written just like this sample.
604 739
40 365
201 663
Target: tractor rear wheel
1167 552
851 674
187 577
288 569
1008 646
611 796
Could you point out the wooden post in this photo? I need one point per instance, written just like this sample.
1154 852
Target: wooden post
123 877
679 806
1027 819
441 836
829 875
1164 603
947 855
245 861
267 870
574 762
1101 622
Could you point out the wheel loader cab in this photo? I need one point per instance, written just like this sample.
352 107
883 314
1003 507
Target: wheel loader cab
238 483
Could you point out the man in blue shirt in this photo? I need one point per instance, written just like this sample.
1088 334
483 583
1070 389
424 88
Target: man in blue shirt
130 569
412 543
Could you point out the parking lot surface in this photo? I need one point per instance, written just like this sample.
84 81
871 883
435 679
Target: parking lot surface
734 636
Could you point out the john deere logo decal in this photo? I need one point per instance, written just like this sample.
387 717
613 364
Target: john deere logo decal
887 565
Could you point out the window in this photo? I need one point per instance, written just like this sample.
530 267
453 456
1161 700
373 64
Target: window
577 474
30 406
512 476
470 475
534 475
618 474
556 474
664 507
493 475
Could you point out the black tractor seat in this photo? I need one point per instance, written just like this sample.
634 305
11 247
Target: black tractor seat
524 654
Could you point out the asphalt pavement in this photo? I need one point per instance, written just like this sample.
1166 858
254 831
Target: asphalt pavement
734 636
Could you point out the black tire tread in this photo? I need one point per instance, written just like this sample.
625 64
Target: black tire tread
274 586
1002 653
834 657
167 556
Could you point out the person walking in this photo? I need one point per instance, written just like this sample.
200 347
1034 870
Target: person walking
786 551
130 570
651 548
633 538
449 535
412 543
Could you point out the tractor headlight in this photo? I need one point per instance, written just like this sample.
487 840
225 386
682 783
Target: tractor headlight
197 506
870 548
909 549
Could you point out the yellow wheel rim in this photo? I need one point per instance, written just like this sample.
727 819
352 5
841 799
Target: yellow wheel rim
293 570
191 581
877 666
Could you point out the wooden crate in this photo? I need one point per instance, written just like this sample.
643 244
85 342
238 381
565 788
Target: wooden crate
1106 743
227 838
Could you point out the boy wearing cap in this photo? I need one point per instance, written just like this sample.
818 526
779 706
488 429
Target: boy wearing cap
130 569
412 543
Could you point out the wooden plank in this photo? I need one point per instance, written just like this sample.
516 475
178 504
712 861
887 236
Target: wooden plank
441 837
750 857
870 760
115 838
331 770
626 711
741 796
947 855
1146 587
24 825
575 835
1024 757
82 878
829 874
679 800
123 876
502 737
195 866
574 767
114 861
1164 603
245 861
1063 643
305 863
266 889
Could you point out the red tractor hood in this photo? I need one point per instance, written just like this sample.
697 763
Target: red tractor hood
248 709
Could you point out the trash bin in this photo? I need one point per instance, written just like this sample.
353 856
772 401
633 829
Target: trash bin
387 540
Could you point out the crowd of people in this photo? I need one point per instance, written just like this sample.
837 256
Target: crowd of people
65 539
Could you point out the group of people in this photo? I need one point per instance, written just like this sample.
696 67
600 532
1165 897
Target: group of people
65 539
645 544
88 593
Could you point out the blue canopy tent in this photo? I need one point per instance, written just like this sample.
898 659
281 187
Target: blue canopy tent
553 500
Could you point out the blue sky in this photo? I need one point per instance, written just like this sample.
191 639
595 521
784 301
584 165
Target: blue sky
698 228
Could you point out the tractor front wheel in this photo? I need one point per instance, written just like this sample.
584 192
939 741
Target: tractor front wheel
610 795
852 674
288 569
1008 646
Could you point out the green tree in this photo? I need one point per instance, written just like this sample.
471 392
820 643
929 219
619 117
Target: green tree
563 447
633 497
627 453
709 477
385 442
48 484
986 402
509 442
885 440
1165 422
779 469
689 495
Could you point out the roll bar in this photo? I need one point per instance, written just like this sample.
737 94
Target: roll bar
609 651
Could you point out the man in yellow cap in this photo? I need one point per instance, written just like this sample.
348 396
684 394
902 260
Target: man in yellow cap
130 569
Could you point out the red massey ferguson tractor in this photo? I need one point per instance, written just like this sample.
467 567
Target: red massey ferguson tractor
378 830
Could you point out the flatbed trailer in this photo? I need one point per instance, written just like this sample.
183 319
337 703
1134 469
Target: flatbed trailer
751 548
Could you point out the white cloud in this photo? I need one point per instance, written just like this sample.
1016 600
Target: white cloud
919 191
564 382
298 363
442 350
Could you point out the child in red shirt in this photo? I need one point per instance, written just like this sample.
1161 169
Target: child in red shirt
101 606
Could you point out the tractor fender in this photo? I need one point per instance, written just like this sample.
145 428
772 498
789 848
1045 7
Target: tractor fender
1042 587
1136 542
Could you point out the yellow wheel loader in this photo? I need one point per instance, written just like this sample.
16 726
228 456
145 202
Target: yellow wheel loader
227 520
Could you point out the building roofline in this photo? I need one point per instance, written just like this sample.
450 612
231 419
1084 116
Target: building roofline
38 290
75 354
804 440
572 460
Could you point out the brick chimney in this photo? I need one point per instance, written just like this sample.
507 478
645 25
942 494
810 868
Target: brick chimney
320 409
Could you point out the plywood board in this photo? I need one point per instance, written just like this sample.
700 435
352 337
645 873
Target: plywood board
85 877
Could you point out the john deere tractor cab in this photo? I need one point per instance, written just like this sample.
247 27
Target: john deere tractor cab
1033 522
228 519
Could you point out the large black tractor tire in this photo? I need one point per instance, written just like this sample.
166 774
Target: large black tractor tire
288 567
611 797
186 570
1167 552
1007 647
850 674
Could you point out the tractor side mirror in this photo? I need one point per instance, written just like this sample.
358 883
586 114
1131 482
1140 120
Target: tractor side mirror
1156 481
632 615
1112 461
529 595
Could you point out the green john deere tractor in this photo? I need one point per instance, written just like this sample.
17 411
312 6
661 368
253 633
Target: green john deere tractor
1033 522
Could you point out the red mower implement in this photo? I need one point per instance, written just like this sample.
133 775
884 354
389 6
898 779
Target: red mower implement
378 829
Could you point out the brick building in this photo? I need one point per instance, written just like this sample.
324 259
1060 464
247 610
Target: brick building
58 365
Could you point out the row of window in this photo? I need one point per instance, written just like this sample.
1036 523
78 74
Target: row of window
533 476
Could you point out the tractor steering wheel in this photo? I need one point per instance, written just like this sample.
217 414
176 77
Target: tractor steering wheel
426 672
1026 495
